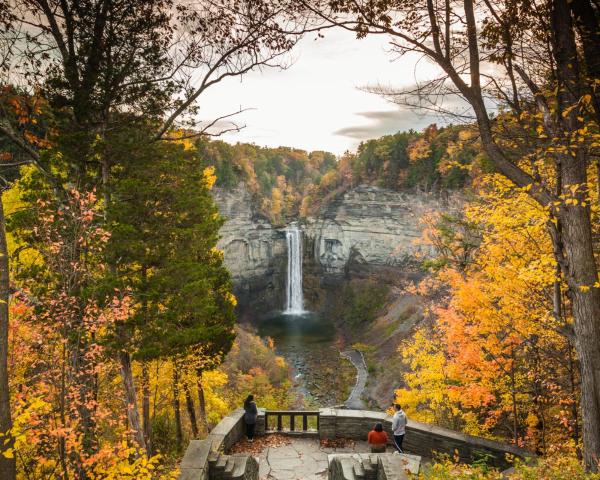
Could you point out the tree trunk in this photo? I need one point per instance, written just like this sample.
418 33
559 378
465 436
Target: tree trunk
130 398
189 403
573 369
586 313
202 402
177 408
62 448
513 394
579 267
587 21
581 271
84 382
7 465
146 409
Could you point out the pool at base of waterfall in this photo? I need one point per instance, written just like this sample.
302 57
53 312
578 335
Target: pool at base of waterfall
309 344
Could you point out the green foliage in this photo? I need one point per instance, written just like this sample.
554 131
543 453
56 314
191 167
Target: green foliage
363 347
361 302
165 227
278 177
252 366
163 434
411 159
288 182
455 239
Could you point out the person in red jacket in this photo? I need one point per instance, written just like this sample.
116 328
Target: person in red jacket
377 439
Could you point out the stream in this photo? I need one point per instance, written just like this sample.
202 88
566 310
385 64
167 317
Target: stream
308 342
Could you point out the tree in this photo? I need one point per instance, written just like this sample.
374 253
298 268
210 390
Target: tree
7 465
61 290
28 113
497 360
103 65
100 58
165 227
542 86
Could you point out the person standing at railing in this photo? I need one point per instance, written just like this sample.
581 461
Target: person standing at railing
250 416
399 422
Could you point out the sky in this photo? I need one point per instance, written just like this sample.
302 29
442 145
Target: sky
317 103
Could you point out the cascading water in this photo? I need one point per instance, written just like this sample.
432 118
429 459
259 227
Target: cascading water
295 300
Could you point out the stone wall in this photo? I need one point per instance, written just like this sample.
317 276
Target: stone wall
421 439
195 462
372 466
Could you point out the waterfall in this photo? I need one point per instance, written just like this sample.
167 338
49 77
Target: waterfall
295 300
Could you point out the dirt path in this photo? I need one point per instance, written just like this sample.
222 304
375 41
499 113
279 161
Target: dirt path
356 358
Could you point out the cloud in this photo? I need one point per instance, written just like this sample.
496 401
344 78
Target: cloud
386 122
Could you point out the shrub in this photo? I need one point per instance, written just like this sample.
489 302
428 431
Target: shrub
362 302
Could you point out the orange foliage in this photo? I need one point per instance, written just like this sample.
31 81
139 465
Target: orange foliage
496 362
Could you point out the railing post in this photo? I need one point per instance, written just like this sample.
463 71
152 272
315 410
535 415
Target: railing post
266 421
294 426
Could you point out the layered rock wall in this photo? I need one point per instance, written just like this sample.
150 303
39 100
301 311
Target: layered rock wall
372 226
367 225
254 250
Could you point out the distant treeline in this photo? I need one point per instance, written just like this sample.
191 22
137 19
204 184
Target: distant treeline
289 182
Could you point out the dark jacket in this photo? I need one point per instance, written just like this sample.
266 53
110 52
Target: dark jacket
251 413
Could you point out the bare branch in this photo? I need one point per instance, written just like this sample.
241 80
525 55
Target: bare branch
205 129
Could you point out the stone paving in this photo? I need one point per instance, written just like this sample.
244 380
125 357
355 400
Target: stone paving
301 459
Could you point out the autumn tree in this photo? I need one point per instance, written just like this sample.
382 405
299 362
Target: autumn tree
496 360
30 114
59 285
7 465
103 65
525 55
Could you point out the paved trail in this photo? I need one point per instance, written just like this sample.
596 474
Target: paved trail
301 459
354 400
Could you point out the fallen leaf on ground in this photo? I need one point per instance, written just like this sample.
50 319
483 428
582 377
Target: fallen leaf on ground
259 444
337 443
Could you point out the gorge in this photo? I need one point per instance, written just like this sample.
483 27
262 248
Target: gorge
220 204
369 226
367 239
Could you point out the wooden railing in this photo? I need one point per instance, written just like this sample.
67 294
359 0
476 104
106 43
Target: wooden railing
286 421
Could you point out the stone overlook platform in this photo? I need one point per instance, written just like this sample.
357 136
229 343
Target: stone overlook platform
327 443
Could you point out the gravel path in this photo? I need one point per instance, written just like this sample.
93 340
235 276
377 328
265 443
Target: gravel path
354 401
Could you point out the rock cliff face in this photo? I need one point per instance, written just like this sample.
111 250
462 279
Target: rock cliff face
367 225
254 251
372 226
